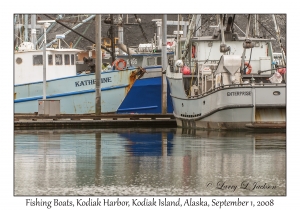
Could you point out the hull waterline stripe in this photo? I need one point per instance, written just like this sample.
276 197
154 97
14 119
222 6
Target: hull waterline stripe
138 108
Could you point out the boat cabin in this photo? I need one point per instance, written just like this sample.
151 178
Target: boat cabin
28 64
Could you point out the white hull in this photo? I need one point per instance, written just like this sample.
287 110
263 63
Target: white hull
77 93
230 107
227 82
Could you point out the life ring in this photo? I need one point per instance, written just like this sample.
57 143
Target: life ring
249 67
117 62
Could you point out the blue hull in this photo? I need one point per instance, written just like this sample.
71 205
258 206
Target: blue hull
145 97
148 144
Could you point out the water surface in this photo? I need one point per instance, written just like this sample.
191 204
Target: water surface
142 162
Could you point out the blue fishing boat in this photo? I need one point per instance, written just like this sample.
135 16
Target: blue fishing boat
145 96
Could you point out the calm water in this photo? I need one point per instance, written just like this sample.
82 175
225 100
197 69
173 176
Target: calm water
148 162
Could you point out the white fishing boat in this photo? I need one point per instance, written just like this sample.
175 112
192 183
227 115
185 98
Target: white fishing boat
75 92
227 82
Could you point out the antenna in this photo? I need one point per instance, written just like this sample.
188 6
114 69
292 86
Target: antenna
46 25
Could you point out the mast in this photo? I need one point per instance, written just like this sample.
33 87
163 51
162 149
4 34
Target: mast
246 44
256 26
222 34
33 30
120 33
279 39
26 28
198 24
164 66
223 46
189 36
158 37
98 66
177 55
44 71
112 38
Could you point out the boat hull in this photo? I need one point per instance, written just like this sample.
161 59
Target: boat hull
76 93
231 107
145 96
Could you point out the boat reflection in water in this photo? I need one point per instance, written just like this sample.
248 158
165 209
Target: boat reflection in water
149 162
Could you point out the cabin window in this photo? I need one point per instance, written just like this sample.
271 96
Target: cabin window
150 61
58 59
37 60
158 60
50 60
67 59
19 60
72 59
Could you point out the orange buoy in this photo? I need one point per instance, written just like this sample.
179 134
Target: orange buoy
186 70
249 67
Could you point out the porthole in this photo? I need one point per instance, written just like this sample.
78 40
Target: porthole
19 60
276 93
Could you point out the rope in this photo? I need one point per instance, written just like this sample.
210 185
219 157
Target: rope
144 34
208 55
200 27
77 33
266 29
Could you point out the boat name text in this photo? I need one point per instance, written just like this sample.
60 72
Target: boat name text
92 81
133 61
239 93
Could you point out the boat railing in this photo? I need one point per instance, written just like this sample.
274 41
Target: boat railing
230 86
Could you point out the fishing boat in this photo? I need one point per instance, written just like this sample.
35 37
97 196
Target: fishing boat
225 81
145 96
148 89
68 81
76 92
